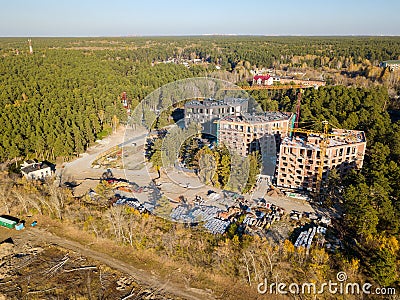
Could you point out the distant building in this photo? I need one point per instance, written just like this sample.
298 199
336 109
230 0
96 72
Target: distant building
314 83
30 46
300 158
32 169
391 64
276 79
261 71
263 80
207 112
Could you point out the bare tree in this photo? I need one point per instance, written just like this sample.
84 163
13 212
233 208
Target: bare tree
21 199
57 198
116 218
5 192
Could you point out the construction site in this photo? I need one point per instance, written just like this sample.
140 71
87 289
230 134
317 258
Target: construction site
208 111
305 161
293 158
247 133
295 164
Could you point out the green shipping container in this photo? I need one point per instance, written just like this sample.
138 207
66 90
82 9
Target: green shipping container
7 223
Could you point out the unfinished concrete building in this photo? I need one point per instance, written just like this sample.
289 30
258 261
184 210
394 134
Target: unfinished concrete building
300 158
247 133
207 112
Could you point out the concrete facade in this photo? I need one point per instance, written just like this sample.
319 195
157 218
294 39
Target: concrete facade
207 112
248 133
299 158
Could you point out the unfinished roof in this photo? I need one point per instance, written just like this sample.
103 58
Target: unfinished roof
341 137
270 116
212 102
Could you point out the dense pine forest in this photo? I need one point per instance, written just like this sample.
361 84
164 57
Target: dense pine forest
57 101
70 88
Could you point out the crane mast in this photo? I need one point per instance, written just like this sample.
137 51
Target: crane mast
323 145
296 124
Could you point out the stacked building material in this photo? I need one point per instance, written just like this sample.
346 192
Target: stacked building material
182 213
216 226
305 238
204 213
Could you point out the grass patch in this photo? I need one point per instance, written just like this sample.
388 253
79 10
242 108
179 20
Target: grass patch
107 130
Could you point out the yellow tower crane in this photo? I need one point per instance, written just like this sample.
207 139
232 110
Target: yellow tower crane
269 87
323 146
324 135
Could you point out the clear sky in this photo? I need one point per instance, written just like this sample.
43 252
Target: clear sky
176 17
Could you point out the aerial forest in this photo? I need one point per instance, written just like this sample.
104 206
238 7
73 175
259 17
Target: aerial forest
59 100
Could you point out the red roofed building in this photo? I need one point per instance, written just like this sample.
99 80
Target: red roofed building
263 80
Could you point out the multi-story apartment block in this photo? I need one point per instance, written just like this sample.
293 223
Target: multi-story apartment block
294 161
300 158
256 132
248 133
207 112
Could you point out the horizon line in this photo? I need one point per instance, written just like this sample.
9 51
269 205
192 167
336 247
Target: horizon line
201 35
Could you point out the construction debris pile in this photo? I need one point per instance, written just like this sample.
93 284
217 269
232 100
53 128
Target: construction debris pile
109 159
55 273
316 225
216 220
262 216
274 192
127 198
296 216
215 211
12 256
305 238
131 202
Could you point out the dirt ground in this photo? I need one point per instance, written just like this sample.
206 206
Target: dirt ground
173 183
36 264
80 170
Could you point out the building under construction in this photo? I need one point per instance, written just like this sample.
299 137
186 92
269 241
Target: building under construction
299 160
207 112
294 161
251 132
247 133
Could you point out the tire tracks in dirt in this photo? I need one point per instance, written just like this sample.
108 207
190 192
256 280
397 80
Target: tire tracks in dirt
142 277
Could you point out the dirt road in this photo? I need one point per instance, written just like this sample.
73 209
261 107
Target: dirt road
43 236
174 184
80 170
